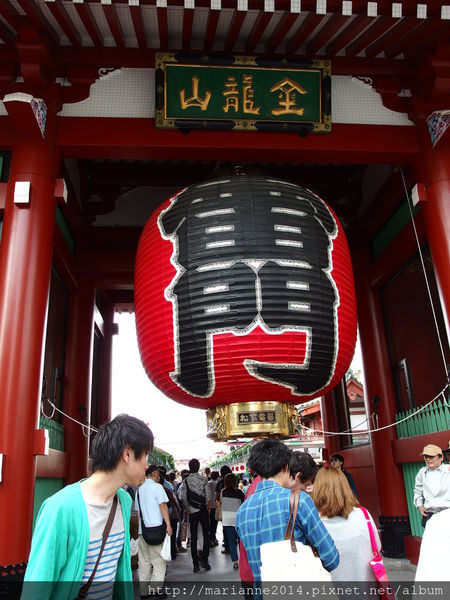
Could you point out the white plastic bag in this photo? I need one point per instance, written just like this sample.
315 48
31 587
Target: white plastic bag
134 545
165 550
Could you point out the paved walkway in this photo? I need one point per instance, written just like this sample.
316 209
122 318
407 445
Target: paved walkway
180 572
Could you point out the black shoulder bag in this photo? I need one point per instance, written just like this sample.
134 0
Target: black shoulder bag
84 589
153 536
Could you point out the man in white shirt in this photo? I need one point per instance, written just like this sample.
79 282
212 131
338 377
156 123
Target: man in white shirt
432 486
153 509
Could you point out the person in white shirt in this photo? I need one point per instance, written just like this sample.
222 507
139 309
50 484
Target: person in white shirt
346 523
434 556
152 505
432 486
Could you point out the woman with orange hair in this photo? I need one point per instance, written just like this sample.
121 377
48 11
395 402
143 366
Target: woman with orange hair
347 525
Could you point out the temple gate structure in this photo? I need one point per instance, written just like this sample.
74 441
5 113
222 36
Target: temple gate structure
84 161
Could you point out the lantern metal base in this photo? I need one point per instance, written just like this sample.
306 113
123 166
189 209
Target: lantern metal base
252 419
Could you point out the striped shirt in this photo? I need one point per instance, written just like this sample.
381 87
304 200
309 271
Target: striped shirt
102 586
263 518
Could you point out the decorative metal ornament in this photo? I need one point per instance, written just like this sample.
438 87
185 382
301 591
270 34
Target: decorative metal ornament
244 294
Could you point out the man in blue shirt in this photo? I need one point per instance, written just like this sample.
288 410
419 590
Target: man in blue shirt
264 516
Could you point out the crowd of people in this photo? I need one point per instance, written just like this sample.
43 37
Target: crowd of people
82 532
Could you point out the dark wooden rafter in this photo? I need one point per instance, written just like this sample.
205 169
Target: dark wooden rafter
304 31
235 29
188 17
397 31
258 29
65 22
34 13
110 13
85 14
373 32
351 32
5 33
332 26
163 28
422 32
287 21
138 24
213 19
440 37
9 14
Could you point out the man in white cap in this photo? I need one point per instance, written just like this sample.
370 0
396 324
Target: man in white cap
432 487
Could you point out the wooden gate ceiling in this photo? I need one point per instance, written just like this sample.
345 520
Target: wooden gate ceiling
329 28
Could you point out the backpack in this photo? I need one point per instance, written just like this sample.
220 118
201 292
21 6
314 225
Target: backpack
195 500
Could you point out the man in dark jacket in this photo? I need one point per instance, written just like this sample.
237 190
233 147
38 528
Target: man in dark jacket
337 461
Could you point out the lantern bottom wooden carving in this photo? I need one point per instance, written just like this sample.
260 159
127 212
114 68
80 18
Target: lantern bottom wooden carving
252 419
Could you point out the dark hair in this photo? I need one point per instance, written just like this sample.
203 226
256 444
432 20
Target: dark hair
224 470
268 457
184 473
172 476
230 481
194 465
303 463
339 457
162 469
151 469
112 438
215 475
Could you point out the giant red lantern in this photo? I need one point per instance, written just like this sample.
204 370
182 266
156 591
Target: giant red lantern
245 302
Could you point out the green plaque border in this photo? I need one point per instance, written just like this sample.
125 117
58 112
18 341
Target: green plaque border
302 128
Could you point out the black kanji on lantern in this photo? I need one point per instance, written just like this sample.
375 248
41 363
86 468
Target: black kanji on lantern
251 251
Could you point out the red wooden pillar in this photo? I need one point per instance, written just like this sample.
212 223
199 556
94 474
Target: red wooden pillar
25 267
77 392
435 169
104 413
394 518
330 423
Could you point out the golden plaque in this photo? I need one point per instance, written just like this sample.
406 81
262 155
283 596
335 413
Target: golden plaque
252 419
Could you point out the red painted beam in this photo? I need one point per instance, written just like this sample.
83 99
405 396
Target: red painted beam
281 31
372 33
188 17
114 24
53 466
258 29
138 24
333 25
2 197
351 32
405 450
138 138
65 22
213 19
304 31
400 28
85 14
34 13
360 456
163 29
